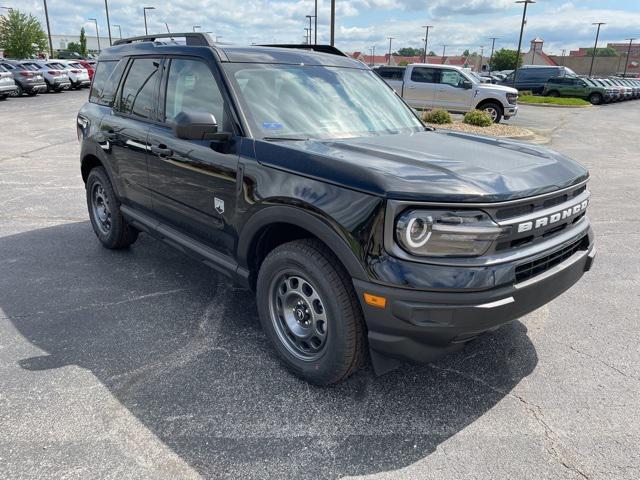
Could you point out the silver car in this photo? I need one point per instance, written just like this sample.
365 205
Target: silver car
78 75
56 78
7 84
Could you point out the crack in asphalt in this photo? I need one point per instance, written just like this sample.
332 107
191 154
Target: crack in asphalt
36 150
553 439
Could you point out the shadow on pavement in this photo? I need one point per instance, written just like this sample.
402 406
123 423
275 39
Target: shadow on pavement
183 351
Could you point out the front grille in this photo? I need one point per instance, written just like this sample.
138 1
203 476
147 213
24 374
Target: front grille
541 265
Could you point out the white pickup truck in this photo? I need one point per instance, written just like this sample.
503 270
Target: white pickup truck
429 86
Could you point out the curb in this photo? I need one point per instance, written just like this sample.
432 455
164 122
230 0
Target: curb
553 105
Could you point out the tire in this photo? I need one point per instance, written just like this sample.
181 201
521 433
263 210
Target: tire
3 97
303 288
494 109
104 211
32 93
595 99
20 90
553 93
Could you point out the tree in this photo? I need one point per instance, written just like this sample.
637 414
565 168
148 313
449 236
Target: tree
74 47
410 52
505 59
83 43
21 35
602 52
432 53
466 53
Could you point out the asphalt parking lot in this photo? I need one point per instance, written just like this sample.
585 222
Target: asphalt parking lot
146 364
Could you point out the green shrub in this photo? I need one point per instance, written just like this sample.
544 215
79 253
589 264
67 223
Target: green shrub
478 118
438 116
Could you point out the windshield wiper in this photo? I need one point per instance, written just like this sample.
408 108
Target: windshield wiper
275 139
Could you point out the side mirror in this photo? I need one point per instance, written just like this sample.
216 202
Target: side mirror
466 84
195 126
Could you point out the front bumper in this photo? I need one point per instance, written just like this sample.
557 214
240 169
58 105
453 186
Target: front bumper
424 325
510 111
8 89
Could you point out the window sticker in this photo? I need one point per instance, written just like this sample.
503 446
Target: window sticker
272 125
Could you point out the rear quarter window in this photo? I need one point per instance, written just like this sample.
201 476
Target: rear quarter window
105 81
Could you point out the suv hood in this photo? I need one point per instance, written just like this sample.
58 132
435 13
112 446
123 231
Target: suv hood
428 166
490 87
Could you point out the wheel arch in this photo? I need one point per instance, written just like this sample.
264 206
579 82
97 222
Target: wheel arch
261 227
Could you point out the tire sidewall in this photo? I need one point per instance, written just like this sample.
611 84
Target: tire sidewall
98 175
498 109
319 370
595 96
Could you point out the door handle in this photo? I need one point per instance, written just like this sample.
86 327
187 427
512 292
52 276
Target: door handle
161 150
411 87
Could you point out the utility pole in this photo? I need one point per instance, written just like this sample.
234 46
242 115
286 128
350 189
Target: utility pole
333 22
315 23
119 30
97 32
307 36
167 26
481 55
493 46
426 39
595 46
390 39
144 12
563 52
46 15
310 29
444 50
524 18
628 53
106 7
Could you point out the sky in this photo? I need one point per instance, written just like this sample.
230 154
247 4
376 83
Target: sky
360 24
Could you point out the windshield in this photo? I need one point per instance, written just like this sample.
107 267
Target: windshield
31 66
297 101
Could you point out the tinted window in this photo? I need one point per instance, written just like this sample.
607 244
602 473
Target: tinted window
424 75
451 77
105 82
191 87
137 92
391 73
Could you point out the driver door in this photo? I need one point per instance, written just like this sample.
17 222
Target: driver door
193 182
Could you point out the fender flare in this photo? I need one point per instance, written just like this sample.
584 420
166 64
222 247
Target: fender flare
303 219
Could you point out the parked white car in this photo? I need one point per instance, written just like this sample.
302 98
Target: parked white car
78 75
55 77
429 86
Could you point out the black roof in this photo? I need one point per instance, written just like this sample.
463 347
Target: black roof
190 43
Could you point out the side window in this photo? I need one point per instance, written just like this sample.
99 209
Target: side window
191 87
137 91
451 77
424 75
105 81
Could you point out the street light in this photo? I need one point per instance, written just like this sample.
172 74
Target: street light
524 17
390 39
106 8
493 46
97 32
119 30
144 12
595 46
628 52
196 26
426 39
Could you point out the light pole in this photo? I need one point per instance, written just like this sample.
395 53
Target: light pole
595 46
524 17
373 56
390 39
144 13
46 15
307 36
426 39
481 55
493 46
444 50
563 52
196 26
628 53
167 27
106 8
310 29
315 24
97 32
333 21
119 30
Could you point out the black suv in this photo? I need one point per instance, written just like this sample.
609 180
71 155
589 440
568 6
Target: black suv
302 176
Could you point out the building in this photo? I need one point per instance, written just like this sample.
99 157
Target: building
620 48
536 54
399 60
61 42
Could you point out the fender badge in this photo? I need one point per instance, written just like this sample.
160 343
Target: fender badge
219 205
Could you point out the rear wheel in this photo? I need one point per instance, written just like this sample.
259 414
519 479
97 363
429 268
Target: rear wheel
494 110
19 91
104 211
595 99
310 312
553 93
32 93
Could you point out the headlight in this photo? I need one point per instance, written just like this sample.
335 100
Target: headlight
512 98
434 233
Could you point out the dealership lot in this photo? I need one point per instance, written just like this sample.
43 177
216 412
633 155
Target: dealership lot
145 364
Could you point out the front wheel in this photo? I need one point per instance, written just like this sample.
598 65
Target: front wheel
309 311
494 110
104 211
595 99
553 93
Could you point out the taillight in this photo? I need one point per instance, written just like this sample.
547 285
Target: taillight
26 74
76 71
53 72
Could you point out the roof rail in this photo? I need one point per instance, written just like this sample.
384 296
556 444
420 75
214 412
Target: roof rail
199 39
316 48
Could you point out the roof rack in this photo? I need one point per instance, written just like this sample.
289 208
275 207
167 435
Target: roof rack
316 48
199 39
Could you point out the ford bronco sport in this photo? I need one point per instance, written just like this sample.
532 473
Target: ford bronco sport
302 176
